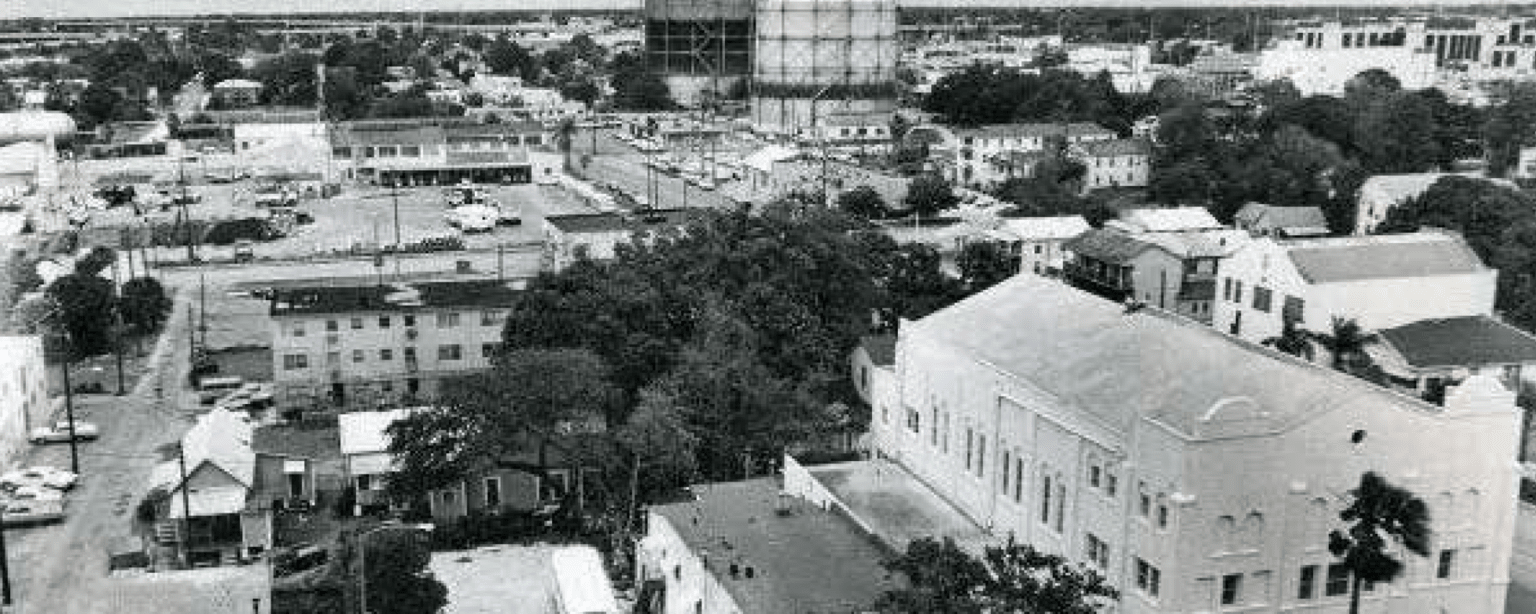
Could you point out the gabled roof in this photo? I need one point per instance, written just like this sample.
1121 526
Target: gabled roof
1469 341
1107 246
1045 228
1170 219
1093 357
1419 254
363 432
222 438
1259 214
1116 147
881 349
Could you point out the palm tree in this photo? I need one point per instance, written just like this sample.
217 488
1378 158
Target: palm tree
1292 340
1380 512
1346 343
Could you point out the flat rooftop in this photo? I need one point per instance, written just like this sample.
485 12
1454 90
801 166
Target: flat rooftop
897 506
405 297
810 560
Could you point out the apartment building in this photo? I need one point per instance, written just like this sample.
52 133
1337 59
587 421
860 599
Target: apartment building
1379 281
364 347
1173 270
1196 471
444 151
1115 163
965 155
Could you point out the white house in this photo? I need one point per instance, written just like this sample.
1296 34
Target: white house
965 155
1037 241
1379 281
1117 163
1196 471
24 399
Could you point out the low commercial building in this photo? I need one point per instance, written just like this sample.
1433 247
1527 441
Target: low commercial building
748 548
1195 471
598 235
365 347
444 152
24 401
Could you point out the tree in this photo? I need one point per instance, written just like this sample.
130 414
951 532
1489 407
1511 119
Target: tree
864 202
1380 512
582 89
1024 580
1345 344
636 88
1292 340
398 581
985 263
1510 126
941 578
86 309
145 305
564 137
505 57
929 194
660 442
531 399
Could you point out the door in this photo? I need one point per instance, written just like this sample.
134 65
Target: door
1237 323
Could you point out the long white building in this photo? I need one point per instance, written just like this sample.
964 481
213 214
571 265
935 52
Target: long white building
1198 472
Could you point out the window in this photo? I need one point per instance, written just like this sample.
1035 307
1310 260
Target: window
357 323
1061 504
1148 578
383 321
357 356
1237 291
492 318
933 429
1045 499
885 415
487 350
1111 483
332 358
1018 479
365 482
970 443
332 326
1306 586
1097 551
1446 564
411 151
1231 588
410 320
297 330
981 455
1095 476
449 496
493 492
1293 310
1162 513
451 351
914 420
1007 467
294 362
533 139
1144 506
1338 580
944 437
1261 298
447 320
386 354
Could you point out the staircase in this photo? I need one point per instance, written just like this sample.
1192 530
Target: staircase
167 532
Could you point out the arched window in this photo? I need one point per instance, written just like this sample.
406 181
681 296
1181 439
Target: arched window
1253 531
1225 532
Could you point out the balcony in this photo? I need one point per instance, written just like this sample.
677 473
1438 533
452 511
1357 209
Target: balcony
1107 281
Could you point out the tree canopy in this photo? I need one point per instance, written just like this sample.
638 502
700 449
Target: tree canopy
943 578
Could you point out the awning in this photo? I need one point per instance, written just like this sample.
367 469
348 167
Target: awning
216 501
294 466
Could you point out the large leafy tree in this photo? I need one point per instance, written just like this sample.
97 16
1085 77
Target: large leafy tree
145 304
985 263
87 308
1379 514
1510 125
942 577
863 201
929 194
398 581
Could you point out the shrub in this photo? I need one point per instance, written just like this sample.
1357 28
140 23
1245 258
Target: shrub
230 231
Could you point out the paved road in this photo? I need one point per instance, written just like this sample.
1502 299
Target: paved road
624 167
62 567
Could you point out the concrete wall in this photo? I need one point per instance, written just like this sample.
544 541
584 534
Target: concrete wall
690 587
24 402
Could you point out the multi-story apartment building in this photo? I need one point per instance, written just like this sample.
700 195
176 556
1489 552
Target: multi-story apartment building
364 347
1196 471
1174 269
964 155
1117 163
24 401
1379 281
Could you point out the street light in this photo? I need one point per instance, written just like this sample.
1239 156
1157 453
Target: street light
362 555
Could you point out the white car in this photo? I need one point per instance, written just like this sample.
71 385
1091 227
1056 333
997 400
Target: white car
473 218
17 513
35 493
50 477
59 432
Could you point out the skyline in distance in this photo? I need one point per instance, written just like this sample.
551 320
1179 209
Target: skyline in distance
77 9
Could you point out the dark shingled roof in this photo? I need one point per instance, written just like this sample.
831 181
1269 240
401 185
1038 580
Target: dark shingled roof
810 560
881 349
300 440
1384 257
1461 342
392 297
1106 245
614 221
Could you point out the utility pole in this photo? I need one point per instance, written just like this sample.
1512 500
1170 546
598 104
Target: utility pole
186 503
202 307
394 195
5 569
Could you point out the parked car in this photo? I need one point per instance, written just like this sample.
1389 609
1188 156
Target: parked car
473 218
59 432
42 475
19 513
35 493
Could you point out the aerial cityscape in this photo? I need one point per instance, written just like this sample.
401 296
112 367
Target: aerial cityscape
767 307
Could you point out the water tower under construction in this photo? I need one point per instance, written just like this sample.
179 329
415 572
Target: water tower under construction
814 60
702 48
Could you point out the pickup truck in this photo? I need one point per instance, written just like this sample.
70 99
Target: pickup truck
59 432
